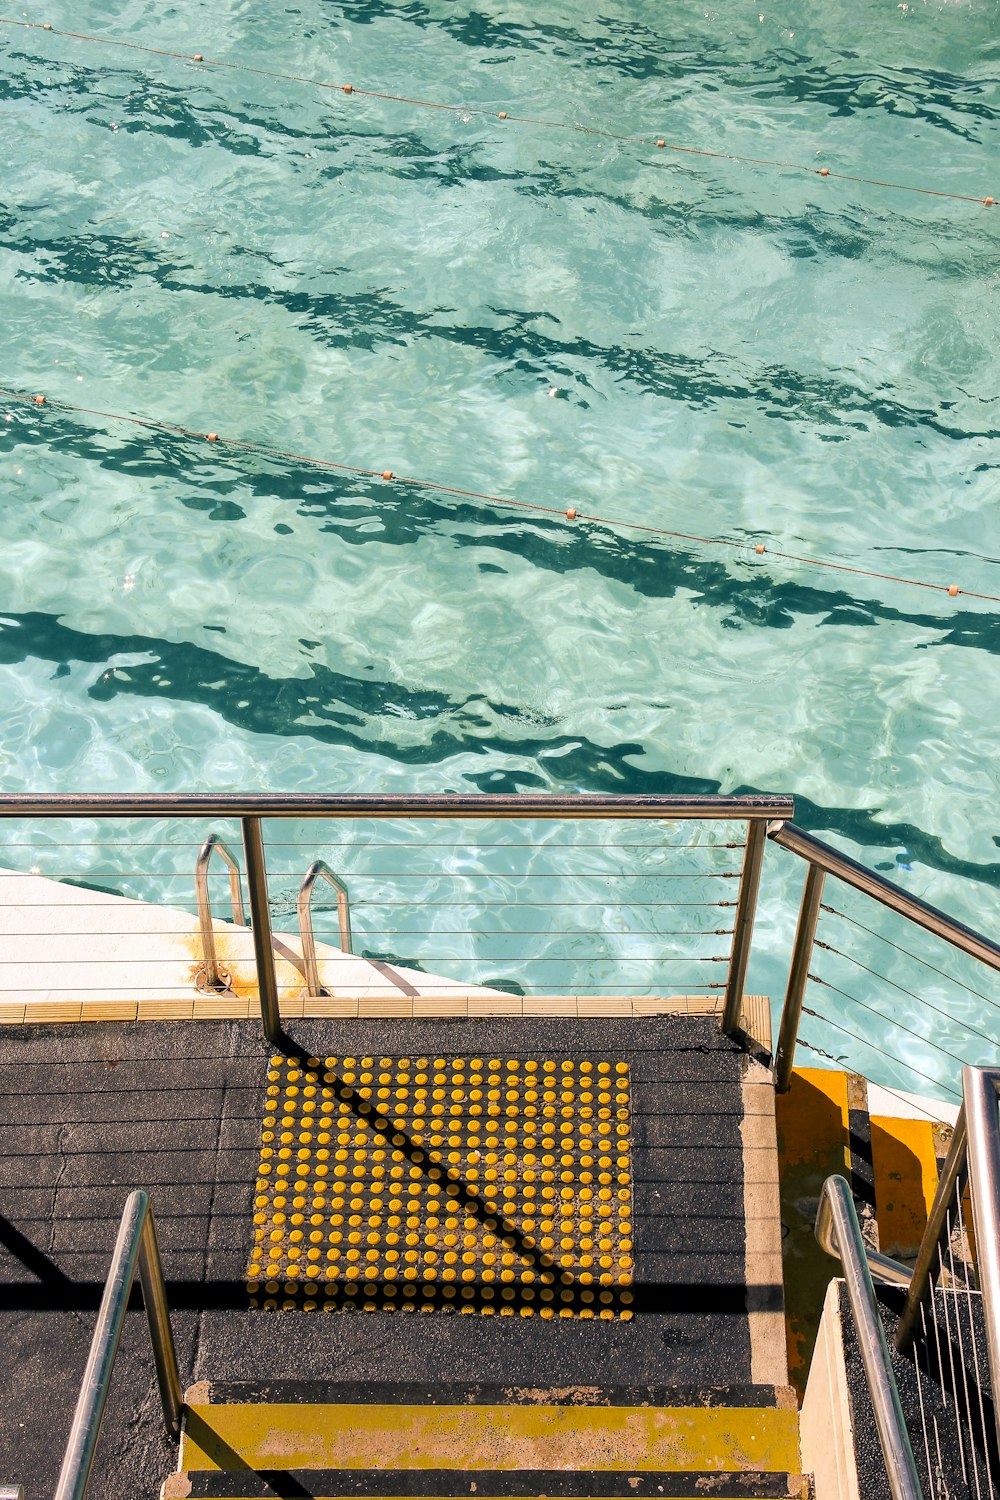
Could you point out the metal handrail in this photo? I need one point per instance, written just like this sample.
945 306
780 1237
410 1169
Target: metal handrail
839 1233
823 860
214 977
758 811
135 1249
392 805
974 1157
319 868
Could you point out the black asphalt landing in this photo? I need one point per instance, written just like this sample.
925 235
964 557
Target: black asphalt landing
946 1393
90 1112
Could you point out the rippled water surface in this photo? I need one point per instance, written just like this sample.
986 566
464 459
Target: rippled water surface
555 316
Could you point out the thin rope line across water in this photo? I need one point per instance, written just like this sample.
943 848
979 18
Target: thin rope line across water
570 513
657 142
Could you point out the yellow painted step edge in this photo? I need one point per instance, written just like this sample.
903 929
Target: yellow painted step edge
492 1438
178 1487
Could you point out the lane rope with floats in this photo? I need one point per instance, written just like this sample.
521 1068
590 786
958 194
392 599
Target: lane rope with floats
567 512
656 142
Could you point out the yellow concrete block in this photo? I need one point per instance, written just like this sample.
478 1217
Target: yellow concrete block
813 1125
906 1177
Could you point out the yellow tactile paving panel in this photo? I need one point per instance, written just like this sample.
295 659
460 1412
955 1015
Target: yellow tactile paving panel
278 1436
487 1185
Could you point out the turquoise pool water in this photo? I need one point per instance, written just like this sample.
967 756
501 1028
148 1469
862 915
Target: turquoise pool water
548 315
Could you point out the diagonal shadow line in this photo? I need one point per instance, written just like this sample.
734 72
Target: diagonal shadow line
513 1237
31 1258
219 1452
214 1447
673 1297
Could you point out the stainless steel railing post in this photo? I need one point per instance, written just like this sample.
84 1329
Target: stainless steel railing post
798 975
260 916
979 1090
950 1185
746 906
838 1231
154 1296
135 1245
974 1157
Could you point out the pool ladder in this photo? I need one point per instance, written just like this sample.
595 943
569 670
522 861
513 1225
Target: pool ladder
212 976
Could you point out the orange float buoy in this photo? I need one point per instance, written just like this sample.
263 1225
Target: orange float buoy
502 115
387 474
571 514
824 171
348 88
953 589
46 25
760 547
989 202
198 57
661 144
212 437
38 400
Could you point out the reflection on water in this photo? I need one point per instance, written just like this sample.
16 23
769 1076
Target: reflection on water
738 352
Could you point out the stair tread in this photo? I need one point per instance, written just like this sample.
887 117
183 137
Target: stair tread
432 1393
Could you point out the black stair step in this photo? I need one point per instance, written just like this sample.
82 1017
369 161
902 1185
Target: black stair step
443 1484
434 1393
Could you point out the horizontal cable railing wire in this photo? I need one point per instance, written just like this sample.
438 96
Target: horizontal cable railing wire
915 1022
865 1042
916 957
461 915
